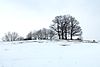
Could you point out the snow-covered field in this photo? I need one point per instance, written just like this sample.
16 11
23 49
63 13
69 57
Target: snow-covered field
49 54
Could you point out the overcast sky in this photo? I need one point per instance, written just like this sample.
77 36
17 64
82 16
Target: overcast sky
23 16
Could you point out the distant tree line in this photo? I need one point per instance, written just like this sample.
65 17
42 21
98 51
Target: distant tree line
64 27
42 34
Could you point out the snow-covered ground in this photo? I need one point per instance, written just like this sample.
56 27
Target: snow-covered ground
49 54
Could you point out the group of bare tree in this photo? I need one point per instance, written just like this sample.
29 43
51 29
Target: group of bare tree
12 36
66 26
42 34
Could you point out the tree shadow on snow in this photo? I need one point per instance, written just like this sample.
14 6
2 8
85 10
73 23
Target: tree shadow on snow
64 45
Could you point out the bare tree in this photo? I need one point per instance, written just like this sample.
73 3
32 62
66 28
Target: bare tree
10 36
45 33
39 34
75 29
35 35
60 26
66 25
51 34
56 26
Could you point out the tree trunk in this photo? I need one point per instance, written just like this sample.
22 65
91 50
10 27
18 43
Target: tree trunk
62 30
59 36
65 33
71 35
62 34
58 30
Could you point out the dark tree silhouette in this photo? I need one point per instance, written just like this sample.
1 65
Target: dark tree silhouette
29 36
56 26
20 38
66 25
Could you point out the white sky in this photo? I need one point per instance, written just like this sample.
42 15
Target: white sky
23 16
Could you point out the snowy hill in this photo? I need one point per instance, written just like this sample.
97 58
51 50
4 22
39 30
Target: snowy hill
49 54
